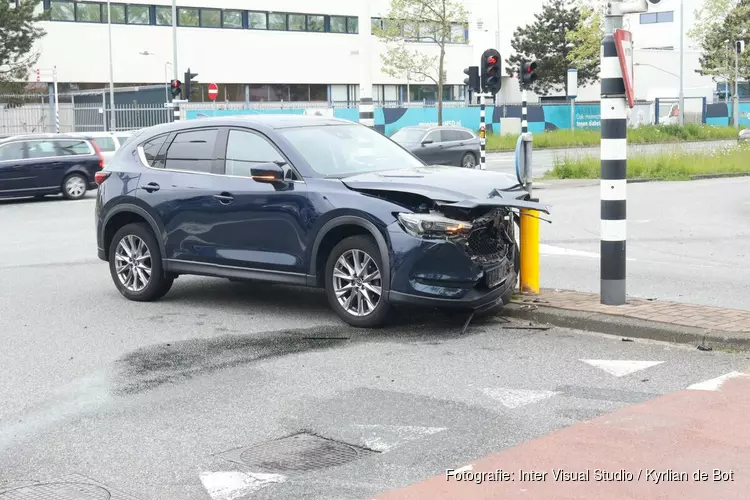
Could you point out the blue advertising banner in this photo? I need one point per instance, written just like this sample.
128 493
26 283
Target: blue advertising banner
541 117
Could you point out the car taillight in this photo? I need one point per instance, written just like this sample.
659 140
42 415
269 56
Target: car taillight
102 176
99 154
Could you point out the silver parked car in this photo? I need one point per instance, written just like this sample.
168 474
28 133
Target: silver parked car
108 142
456 146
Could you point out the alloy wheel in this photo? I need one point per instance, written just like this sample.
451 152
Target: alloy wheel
357 282
469 161
133 263
75 186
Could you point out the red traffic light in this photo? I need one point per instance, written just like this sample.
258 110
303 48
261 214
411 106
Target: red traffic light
492 60
176 83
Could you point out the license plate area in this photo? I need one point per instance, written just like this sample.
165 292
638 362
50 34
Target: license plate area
494 276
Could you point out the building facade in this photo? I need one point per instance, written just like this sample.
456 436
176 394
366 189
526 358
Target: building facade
295 50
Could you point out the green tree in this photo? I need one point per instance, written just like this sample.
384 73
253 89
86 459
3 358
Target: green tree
18 33
546 41
586 39
409 21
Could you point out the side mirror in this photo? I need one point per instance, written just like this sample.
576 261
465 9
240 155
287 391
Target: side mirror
426 142
270 173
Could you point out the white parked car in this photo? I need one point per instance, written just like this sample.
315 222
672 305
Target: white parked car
108 142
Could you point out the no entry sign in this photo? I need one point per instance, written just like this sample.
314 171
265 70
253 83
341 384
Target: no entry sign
213 91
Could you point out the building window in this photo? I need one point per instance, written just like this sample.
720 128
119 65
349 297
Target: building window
278 92
276 21
258 21
657 17
88 12
118 13
211 18
62 11
164 16
296 22
352 25
316 23
338 24
232 19
188 17
319 93
138 14
299 93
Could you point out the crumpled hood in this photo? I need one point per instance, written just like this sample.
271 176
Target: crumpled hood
453 186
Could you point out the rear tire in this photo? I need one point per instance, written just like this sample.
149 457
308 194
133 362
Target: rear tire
135 264
468 160
74 187
354 282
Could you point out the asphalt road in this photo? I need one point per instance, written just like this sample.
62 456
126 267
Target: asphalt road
687 241
160 400
544 159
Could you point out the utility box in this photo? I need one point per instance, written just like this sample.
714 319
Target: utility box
510 126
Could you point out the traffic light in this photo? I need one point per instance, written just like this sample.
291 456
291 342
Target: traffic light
175 88
473 79
527 74
491 79
189 83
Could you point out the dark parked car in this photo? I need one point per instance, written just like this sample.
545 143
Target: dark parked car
455 146
306 200
42 164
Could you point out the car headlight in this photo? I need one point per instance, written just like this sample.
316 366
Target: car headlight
432 225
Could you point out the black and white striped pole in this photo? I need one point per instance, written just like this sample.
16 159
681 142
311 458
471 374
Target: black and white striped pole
482 134
614 144
524 112
366 105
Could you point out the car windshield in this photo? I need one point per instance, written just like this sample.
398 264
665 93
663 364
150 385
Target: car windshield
408 135
341 150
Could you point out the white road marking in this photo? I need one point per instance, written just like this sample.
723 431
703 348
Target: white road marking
554 250
620 367
228 485
715 383
641 221
516 398
384 438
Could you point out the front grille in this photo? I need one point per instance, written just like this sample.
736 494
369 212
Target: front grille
490 238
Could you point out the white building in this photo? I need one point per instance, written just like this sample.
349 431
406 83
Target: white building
299 50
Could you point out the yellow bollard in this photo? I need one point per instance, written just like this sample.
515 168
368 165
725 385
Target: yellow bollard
529 251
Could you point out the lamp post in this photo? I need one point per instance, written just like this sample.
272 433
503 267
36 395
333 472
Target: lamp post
113 121
174 39
682 62
166 73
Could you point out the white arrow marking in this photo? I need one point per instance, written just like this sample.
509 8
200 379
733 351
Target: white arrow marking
386 437
515 398
620 367
229 485
715 383
553 250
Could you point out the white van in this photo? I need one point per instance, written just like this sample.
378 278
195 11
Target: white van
108 142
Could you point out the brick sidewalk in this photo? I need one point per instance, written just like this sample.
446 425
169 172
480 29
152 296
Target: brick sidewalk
714 319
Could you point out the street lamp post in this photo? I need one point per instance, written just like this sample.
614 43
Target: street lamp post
682 62
174 38
113 121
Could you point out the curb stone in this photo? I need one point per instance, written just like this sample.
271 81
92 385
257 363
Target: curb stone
627 327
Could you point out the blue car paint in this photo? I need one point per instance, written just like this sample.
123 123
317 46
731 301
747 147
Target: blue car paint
277 232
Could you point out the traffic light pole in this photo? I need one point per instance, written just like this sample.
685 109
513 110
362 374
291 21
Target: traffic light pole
482 134
614 146
524 111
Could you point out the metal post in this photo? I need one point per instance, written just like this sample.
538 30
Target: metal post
572 113
104 111
51 92
174 38
736 96
57 101
682 63
366 107
613 170
166 82
482 134
111 69
524 111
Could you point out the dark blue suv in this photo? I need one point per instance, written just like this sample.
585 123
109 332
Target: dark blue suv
309 201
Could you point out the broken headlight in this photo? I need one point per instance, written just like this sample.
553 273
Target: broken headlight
432 225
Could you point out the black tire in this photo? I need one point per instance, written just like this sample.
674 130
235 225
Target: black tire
74 180
517 268
379 315
159 282
468 158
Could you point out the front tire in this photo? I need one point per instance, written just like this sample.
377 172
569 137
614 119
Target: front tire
354 282
74 187
135 264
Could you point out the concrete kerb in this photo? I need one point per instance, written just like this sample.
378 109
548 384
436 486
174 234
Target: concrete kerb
626 327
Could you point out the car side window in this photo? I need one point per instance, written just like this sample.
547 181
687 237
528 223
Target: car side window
122 139
465 136
246 149
106 144
449 135
192 150
70 148
11 151
433 136
151 150
41 149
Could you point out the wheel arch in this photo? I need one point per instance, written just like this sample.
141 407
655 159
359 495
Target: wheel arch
127 214
334 231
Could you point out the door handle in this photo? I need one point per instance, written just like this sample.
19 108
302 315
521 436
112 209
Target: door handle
224 198
150 187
